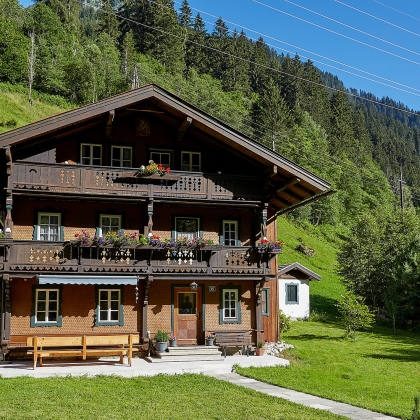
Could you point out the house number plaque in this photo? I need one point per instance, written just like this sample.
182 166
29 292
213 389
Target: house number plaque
212 288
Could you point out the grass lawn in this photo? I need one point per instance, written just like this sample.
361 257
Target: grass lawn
159 397
379 371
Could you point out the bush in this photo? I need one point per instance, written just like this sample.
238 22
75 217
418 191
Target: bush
161 336
285 323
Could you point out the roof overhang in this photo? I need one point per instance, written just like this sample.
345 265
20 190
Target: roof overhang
286 268
74 279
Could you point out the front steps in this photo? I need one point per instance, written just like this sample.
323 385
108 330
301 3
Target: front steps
187 354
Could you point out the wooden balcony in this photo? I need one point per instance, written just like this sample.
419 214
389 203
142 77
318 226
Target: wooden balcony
214 261
59 179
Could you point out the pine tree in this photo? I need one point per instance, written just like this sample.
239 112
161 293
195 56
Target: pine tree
197 54
108 22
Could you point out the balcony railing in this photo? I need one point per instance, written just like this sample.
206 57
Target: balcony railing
109 181
39 256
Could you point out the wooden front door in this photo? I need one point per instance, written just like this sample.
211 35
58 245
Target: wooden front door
187 316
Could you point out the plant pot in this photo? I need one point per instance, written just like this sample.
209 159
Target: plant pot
172 343
161 346
209 342
259 351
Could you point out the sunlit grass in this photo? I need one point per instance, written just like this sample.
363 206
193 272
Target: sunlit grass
159 397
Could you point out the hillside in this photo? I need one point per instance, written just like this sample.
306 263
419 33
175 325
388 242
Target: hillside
17 111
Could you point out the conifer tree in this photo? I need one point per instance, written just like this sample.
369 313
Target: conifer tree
108 22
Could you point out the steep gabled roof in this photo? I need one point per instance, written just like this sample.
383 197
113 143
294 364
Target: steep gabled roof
289 185
286 268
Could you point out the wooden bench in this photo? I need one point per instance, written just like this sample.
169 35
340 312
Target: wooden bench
234 339
81 346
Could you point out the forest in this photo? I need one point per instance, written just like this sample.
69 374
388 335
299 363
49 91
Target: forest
368 148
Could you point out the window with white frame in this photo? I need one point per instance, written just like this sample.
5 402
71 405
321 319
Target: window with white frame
121 156
191 161
48 228
90 154
109 223
161 156
46 307
109 305
292 293
230 232
187 227
230 304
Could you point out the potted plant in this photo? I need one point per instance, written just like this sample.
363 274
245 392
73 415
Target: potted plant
161 339
259 351
172 341
210 339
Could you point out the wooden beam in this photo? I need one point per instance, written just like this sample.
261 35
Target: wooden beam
289 184
181 131
108 129
269 174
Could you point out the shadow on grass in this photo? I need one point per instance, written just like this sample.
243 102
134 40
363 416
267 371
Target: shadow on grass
306 337
402 357
324 304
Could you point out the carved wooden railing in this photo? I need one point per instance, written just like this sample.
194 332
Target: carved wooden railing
39 256
80 179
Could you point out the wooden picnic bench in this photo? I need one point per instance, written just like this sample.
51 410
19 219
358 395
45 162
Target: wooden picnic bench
81 346
226 338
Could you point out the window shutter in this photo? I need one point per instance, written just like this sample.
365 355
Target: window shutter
98 231
35 234
61 237
121 231
221 234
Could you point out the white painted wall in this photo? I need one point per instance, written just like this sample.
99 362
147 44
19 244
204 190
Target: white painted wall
300 310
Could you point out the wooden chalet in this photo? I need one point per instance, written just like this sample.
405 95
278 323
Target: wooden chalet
78 171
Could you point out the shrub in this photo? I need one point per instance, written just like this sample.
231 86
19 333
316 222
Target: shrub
161 336
285 323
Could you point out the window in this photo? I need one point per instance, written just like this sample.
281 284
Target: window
109 306
230 233
162 157
230 305
46 307
292 293
191 161
109 223
121 156
91 154
187 227
49 227
265 301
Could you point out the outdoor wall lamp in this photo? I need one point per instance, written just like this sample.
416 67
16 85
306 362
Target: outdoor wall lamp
193 285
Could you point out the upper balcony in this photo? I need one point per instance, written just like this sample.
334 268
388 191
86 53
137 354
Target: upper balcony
104 181
214 261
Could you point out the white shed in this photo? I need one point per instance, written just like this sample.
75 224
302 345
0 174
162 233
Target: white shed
294 289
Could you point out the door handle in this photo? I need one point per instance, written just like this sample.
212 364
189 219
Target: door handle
198 315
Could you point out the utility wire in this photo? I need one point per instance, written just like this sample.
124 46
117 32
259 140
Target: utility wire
353 28
396 10
338 33
375 17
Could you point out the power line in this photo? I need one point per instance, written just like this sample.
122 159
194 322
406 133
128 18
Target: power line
375 17
338 33
308 51
353 28
396 10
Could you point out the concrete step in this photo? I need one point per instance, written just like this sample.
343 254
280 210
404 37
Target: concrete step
193 350
185 358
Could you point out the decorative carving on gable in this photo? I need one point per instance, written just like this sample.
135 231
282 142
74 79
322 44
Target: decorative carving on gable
142 127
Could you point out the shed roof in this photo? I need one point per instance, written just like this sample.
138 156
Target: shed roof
286 268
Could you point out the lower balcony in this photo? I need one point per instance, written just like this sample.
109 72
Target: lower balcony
215 260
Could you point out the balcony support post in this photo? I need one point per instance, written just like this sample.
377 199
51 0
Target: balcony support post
144 333
5 315
259 327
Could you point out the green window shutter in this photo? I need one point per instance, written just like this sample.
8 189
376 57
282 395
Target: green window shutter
35 234
221 234
121 231
98 229
61 238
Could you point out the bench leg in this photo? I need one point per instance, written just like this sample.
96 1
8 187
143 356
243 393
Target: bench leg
40 360
224 348
34 363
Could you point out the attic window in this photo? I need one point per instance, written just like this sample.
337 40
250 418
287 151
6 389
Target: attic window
161 156
121 156
91 154
191 161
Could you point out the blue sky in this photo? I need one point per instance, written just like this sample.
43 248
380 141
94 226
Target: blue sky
386 25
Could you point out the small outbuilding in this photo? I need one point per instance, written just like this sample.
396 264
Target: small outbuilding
294 281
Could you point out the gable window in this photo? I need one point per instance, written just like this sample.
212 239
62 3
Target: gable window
109 223
121 156
292 293
230 233
46 307
49 227
230 305
265 299
109 306
161 156
187 227
91 154
191 161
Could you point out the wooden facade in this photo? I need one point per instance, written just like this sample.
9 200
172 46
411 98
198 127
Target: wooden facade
78 172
